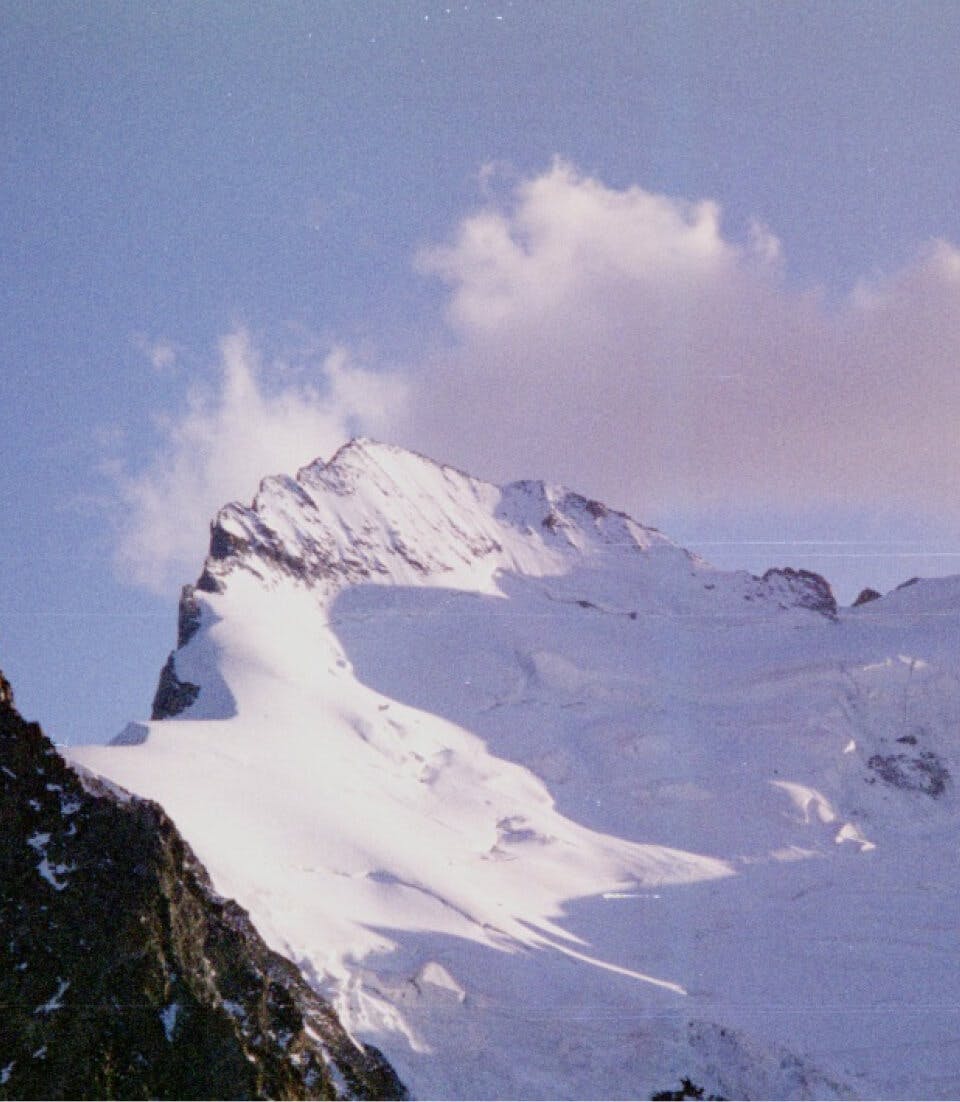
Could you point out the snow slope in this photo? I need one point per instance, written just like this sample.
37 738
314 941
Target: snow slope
551 808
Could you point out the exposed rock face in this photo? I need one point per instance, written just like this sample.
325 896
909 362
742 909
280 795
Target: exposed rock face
173 696
916 772
188 622
802 589
124 975
865 596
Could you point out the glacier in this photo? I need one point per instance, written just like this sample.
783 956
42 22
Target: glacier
548 806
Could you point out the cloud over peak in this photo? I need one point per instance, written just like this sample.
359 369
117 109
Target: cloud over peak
248 422
622 340
615 339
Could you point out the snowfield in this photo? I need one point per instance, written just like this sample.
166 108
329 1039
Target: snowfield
549 807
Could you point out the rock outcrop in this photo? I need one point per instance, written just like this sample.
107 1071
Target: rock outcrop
865 596
801 589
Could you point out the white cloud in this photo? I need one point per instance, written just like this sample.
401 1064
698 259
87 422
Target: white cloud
161 354
623 342
230 436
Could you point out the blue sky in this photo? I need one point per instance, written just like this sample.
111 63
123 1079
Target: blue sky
231 233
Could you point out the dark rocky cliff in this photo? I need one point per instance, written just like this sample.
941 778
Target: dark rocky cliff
124 975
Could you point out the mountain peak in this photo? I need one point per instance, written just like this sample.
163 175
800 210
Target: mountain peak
380 512
6 691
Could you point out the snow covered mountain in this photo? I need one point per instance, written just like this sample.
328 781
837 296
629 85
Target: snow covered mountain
549 807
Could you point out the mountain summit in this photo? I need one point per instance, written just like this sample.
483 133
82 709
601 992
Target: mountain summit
549 807
381 515
376 513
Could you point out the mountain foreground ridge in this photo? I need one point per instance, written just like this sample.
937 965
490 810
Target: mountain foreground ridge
549 807
124 974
